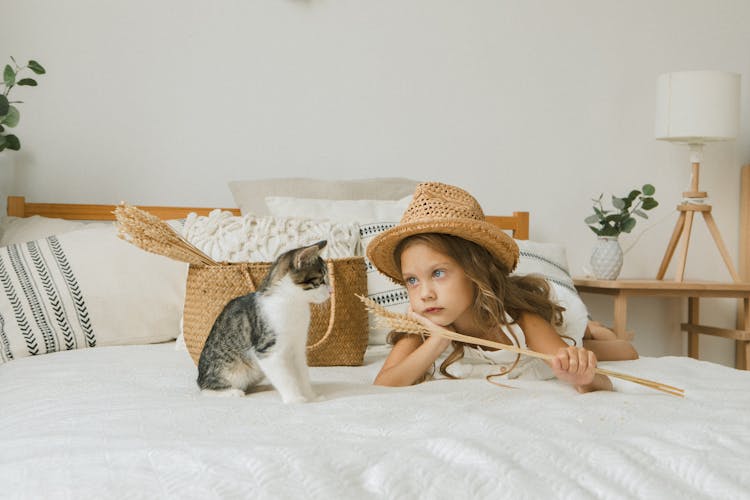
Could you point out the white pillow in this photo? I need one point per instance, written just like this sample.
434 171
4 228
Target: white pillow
374 217
86 288
226 237
550 261
360 211
22 229
248 195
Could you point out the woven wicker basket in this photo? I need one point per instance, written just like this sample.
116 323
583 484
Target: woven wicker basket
338 327
338 331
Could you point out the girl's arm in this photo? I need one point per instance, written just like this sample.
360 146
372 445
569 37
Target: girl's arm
574 365
410 359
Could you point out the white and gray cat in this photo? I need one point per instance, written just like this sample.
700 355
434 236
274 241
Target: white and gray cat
265 332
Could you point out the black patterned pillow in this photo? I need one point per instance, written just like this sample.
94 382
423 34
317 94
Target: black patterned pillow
379 288
85 288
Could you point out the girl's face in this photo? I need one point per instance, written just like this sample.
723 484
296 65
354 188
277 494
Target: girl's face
438 287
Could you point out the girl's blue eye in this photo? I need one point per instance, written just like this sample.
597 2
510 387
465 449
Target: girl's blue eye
438 273
411 281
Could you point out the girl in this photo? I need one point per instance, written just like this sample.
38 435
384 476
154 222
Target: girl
456 268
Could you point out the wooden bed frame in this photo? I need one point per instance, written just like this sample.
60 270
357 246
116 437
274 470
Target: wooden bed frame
517 224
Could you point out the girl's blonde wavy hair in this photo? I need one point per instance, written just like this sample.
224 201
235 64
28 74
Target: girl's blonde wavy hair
495 292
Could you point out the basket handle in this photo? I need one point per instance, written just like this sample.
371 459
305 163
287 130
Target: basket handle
248 278
332 301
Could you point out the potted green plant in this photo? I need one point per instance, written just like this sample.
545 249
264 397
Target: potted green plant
606 258
9 114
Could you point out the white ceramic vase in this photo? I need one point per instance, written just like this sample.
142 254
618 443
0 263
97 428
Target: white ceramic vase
606 258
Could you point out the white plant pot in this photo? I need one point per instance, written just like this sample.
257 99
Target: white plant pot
606 258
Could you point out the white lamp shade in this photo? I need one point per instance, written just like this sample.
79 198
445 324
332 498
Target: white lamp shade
697 106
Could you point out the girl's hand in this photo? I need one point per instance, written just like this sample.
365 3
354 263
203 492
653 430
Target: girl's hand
574 365
434 337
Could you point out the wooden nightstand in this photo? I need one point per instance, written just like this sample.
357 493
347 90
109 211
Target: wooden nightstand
620 290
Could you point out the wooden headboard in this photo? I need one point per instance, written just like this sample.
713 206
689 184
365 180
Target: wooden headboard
517 224
18 207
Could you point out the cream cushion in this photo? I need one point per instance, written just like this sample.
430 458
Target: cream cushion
86 288
342 211
249 195
22 229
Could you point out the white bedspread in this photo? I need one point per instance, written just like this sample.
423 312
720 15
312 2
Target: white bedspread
129 422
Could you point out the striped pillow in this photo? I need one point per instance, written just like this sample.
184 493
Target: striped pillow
551 262
382 290
85 288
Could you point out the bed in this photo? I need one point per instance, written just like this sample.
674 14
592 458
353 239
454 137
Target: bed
129 422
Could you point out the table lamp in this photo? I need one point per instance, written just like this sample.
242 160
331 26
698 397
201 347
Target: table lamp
694 108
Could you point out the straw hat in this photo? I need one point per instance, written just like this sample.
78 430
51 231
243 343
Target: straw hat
442 208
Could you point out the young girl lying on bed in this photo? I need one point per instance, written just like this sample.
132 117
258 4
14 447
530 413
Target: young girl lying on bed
456 267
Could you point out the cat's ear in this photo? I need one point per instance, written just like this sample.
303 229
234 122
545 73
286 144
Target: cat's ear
308 254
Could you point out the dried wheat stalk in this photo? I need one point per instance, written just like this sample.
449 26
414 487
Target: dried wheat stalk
148 232
402 323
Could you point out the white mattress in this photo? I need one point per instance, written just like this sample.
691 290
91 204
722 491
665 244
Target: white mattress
129 422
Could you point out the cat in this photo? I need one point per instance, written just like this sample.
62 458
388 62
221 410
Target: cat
265 332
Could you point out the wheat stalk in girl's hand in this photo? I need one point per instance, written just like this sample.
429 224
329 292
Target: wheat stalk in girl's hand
405 324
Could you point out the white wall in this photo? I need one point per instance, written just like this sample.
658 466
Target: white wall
530 105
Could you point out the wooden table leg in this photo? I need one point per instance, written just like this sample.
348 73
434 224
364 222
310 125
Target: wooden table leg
693 319
620 316
742 347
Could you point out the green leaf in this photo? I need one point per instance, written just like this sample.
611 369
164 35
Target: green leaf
27 81
641 213
648 189
596 230
2 129
36 67
2 141
12 117
649 203
628 225
591 219
9 76
633 195
12 142
618 203
4 105
612 218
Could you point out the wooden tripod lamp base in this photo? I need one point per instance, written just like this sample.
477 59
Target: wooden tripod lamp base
695 108
684 226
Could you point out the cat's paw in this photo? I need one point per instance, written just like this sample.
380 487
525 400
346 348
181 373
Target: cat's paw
231 393
299 398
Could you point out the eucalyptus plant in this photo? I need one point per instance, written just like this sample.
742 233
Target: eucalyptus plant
9 114
621 219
